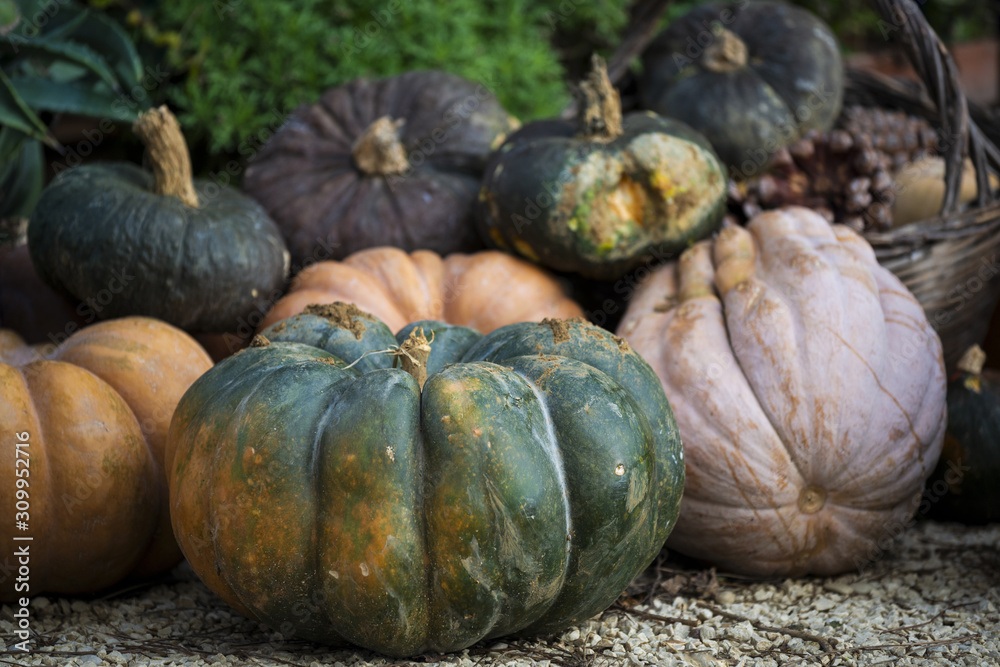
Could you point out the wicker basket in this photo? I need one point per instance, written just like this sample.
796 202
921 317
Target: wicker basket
951 263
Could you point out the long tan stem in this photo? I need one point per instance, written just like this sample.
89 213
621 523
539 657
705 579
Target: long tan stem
168 154
601 111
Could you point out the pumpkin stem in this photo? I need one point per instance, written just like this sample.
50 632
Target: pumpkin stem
972 361
601 108
413 355
168 154
378 151
735 255
726 53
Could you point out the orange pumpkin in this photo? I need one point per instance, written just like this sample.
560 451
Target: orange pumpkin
95 413
483 290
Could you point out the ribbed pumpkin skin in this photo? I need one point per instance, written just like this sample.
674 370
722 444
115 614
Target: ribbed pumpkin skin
328 208
99 232
970 459
809 389
521 491
97 410
600 208
792 82
482 290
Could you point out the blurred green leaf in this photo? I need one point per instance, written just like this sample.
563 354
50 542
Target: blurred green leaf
21 178
105 36
15 113
78 97
48 51
9 16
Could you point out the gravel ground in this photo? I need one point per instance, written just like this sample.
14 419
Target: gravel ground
932 599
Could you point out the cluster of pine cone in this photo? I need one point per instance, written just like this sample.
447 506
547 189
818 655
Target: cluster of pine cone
845 173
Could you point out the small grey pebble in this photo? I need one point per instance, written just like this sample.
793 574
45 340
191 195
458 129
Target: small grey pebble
839 587
862 588
824 604
725 597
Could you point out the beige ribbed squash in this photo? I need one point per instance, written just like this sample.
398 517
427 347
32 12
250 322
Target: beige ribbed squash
809 390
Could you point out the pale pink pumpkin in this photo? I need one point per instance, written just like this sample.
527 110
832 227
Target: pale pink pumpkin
809 390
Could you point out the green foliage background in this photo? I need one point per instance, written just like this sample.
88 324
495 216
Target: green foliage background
247 60
239 65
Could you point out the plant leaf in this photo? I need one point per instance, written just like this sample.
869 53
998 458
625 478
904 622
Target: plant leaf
79 97
15 113
21 180
110 40
10 143
50 50
63 29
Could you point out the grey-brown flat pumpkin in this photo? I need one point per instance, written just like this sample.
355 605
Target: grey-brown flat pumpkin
386 162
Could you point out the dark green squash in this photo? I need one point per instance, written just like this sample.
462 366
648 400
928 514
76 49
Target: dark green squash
752 76
605 194
323 492
191 253
965 487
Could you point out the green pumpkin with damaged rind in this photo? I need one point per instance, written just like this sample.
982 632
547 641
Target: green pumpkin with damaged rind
321 492
600 208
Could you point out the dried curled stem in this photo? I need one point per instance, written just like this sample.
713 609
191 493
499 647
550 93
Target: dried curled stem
378 151
601 110
168 154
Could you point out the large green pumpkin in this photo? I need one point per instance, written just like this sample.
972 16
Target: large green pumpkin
752 76
323 492
604 194
126 241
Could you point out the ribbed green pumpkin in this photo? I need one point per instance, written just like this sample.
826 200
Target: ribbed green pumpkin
320 491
